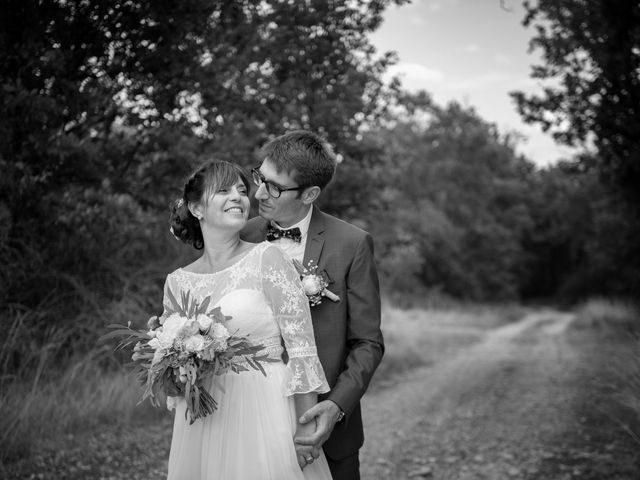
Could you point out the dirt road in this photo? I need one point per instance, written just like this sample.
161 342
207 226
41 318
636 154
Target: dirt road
517 402
517 405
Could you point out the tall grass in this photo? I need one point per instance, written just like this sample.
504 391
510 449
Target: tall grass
619 320
81 397
54 392
426 334
611 316
55 378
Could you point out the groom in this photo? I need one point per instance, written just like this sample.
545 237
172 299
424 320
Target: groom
295 168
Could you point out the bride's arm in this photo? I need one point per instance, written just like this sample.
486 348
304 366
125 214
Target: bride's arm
305 376
303 402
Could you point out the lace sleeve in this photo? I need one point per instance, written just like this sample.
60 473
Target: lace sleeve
282 287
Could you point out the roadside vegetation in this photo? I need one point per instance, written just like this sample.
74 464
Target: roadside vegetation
616 356
94 145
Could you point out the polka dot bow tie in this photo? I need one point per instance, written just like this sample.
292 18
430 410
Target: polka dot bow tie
274 233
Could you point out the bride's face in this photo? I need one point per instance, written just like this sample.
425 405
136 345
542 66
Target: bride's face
227 208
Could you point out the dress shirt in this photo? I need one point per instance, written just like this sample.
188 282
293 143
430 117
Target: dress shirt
293 249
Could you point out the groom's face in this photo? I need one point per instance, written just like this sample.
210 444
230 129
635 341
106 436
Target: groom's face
288 208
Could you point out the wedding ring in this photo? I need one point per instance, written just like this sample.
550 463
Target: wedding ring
309 459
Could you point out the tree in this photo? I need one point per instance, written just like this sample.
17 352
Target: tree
105 99
97 91
591 52
456 206
108 105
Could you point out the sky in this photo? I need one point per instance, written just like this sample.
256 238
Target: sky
474 52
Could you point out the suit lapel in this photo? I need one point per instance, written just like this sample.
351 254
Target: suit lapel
315 238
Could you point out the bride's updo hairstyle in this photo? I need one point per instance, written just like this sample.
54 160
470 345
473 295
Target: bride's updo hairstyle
207 180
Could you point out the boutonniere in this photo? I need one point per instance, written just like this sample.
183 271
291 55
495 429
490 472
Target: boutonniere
314 284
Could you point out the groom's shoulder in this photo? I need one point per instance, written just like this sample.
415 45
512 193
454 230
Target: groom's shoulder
255 222
343 229
252 231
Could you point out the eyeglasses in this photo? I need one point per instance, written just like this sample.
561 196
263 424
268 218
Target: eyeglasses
272 189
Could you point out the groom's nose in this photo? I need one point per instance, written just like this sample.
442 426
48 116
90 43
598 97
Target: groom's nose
261 192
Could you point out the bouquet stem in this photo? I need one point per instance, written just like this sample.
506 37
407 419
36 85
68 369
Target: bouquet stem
200 403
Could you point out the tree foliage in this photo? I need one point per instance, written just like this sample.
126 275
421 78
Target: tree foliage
591 54
108 105
457 203
123 97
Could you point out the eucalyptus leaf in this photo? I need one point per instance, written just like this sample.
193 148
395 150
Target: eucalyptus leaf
202 308
174 302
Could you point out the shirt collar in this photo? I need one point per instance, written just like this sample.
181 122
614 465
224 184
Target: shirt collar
303 224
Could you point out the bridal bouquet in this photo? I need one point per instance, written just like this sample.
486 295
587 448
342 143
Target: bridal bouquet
178 352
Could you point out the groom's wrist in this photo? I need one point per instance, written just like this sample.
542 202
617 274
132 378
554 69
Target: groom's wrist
341 413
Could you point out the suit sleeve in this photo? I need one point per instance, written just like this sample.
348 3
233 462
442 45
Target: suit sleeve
364 337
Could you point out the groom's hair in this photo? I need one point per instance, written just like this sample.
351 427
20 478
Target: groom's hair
303 153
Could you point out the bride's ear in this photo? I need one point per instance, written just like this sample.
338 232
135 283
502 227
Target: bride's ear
196 210
310 194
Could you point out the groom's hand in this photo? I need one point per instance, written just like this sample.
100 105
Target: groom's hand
326 414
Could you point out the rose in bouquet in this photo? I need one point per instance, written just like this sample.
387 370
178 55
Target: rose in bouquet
314 284
181 349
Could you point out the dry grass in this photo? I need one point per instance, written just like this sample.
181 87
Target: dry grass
608 315
81 397
56 392
618 325
416 337
91 389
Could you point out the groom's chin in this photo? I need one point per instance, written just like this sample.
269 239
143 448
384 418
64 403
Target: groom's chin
264 212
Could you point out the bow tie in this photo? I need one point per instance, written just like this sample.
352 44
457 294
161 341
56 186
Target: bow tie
274 233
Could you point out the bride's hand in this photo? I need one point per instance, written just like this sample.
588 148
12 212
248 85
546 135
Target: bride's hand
306 454
306 429
301 460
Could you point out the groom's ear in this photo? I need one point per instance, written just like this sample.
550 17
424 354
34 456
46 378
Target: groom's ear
310 194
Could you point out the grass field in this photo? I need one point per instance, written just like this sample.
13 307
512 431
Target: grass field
417 337
58 412
618 355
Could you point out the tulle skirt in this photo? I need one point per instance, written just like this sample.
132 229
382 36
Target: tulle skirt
249 436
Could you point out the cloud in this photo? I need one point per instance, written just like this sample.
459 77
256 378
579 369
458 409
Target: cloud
415 76
502 58
436 5
479 82
415 72
471 48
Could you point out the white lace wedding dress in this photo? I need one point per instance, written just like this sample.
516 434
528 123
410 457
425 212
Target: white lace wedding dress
250 435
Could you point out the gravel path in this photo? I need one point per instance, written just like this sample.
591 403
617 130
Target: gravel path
518 405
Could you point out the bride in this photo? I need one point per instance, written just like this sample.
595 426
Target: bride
250 435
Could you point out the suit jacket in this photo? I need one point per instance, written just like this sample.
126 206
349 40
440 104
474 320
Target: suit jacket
348 337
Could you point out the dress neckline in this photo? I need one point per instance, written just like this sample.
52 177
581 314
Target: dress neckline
234 264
